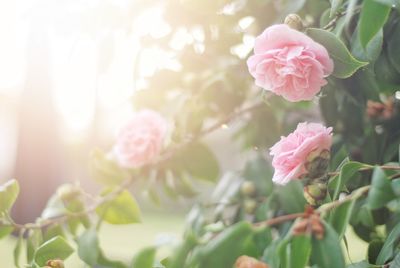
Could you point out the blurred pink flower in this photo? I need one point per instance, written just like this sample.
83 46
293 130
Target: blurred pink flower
290 153
140 140
289 63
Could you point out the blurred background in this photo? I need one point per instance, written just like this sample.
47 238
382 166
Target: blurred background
68 70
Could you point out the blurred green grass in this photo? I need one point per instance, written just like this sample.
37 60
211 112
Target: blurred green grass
121 242
118 241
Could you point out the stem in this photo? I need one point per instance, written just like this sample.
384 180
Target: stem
280 219
353 196
338 15
367 168
89 210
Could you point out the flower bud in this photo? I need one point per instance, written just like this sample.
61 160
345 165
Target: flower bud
250 206
55 263
249 262
315 193
294 21
248 188
68 192
317 163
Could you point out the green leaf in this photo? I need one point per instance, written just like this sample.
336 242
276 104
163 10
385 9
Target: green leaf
374 248
8 194
335 5
199 161
393 48
373 16
340 216
396 187
362 264
371 51
327 252
144 259
105 262
345 64
88 247
55 248
291 197
396 261
181 253
90 252
346 172
270 255
300 250
34 240
223 250
123 209
105 170
381 191
391 242
18 248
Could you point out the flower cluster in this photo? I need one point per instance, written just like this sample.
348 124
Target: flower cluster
294 66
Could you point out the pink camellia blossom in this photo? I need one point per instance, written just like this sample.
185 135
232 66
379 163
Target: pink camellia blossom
140 140
290 154
289 63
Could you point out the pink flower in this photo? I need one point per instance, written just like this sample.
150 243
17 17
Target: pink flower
140 140
289 63
290 153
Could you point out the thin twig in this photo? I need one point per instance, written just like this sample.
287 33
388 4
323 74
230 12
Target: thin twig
366 169
280 219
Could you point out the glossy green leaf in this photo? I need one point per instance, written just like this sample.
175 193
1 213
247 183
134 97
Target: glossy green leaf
300 250
8 194
56 248
144 259
121 210
371 51
345 64
345 174
393 48
327 252
223 250
391 242
373 16
88 247
340 216
381 191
